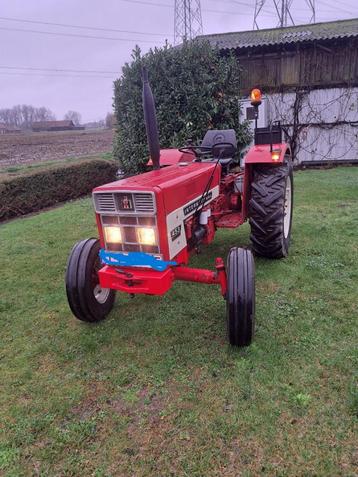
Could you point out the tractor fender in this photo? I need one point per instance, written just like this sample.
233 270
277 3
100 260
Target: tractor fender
262 154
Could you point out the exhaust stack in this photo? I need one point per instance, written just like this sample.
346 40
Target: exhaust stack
150 121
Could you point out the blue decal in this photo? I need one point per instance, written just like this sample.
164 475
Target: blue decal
134 259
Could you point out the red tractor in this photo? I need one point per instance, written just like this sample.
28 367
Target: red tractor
150 224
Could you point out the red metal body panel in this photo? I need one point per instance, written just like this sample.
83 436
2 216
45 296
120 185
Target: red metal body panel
169 157
246 191
173 187
262 153
100 231
230 221
136 280
178 183
226 209
151 282
189 185
162 226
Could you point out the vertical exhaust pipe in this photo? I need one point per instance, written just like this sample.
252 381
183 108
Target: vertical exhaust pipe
150 121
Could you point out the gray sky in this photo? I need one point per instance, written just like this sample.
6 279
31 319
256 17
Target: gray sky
92 96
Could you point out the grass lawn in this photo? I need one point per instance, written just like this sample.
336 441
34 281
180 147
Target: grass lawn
155 390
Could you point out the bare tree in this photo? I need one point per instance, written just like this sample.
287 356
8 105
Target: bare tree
44 114
73 116
23 115
110 120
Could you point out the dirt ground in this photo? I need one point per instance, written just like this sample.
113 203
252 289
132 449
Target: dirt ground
25 148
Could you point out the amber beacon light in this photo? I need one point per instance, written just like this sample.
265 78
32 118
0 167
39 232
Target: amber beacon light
256 97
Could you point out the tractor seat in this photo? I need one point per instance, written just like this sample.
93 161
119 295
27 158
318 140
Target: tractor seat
215 138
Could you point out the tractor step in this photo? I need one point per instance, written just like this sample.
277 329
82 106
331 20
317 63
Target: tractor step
230 221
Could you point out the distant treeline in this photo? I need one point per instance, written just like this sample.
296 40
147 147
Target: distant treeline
23 115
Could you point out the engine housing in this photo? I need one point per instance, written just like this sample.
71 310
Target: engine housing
163 200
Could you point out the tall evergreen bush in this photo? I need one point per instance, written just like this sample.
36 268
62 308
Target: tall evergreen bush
195 89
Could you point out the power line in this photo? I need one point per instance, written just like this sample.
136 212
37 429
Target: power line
334 7
82 27
304 10
76 35
56 69
224 12
166 5
236 2
22 73
153 4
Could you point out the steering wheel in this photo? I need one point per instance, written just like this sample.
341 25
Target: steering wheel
227 145
196 150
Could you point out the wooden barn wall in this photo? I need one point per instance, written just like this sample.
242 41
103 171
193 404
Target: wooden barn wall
315 65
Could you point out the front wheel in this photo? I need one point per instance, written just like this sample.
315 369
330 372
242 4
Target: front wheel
240 298
87 300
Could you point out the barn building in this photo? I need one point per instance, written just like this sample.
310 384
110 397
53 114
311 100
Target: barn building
3 128
6 129
65 125
309 76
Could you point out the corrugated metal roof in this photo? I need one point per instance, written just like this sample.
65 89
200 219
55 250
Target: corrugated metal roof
287 35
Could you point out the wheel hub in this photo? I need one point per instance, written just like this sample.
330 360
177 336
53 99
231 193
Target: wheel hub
287 208
101 294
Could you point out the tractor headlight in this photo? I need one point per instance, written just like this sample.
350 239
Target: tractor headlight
146 236
112 235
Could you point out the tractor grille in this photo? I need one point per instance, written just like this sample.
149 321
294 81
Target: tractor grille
124 202
144 203
105 203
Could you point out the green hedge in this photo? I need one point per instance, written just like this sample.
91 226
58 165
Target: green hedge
30 193
195 89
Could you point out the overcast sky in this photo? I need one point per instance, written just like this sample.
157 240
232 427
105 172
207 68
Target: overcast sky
92 96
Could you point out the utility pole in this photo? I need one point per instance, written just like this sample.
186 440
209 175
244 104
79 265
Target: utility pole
187 20
283 11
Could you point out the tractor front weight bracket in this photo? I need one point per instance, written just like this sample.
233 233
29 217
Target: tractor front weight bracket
154 282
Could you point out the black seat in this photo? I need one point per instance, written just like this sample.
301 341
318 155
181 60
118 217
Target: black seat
215 138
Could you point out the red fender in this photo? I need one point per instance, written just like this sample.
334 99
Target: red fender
261 154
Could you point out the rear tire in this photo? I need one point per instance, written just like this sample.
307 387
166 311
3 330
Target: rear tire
270 209
87 300
240 299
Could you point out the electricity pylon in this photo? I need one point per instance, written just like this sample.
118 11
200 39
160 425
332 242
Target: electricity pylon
187 20
283 11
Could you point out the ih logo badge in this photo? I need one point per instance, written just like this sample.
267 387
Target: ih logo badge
125 202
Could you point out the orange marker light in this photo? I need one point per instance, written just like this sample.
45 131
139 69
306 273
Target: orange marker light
256 97
275 155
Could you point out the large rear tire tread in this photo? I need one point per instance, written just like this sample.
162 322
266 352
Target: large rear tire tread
79 283
267 210
240 300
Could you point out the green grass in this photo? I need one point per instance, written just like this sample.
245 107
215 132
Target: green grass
155 390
